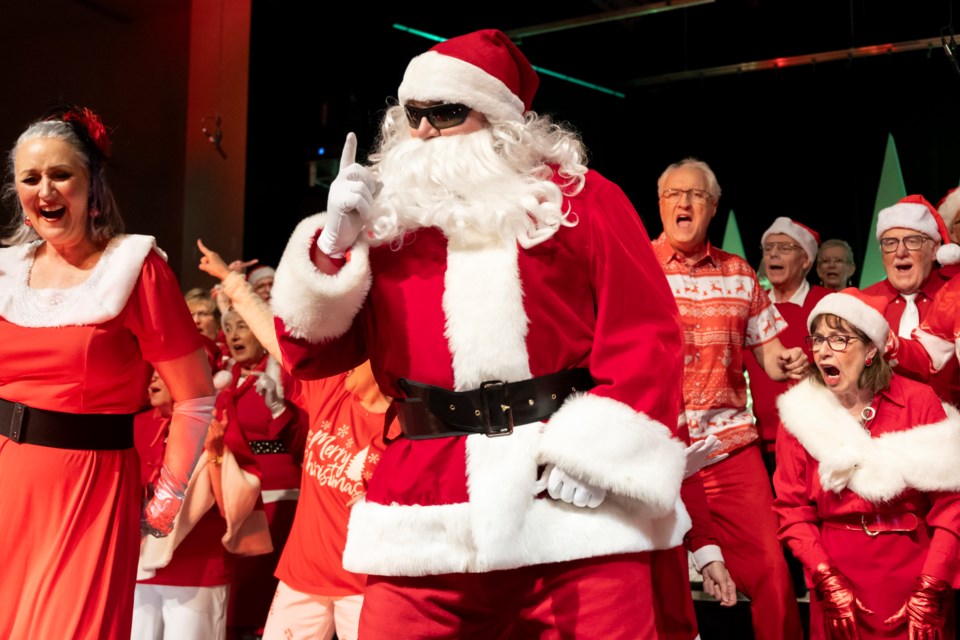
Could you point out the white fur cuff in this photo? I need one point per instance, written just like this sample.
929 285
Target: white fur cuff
607 443
313 305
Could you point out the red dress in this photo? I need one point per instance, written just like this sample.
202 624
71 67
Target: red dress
908 463
69 546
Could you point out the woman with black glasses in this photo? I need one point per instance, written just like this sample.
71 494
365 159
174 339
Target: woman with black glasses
868 469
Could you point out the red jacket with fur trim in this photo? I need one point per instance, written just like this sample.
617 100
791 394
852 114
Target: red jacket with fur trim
454 316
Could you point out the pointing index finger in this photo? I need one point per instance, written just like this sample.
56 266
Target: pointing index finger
349 155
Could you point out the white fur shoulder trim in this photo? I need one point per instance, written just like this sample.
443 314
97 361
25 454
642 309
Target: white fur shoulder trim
313 305
924 457
100 298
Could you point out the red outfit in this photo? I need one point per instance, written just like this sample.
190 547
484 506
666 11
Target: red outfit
907 463
946 381
723 311
79 350
936 341
454 316
344 445
252 590
765 391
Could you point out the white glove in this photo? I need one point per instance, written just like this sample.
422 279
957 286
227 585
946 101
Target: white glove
272 395
698 455
348 203
561 486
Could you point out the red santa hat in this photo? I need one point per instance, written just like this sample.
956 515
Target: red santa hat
260 272
915 212
803 235
483 70
862 310
948 207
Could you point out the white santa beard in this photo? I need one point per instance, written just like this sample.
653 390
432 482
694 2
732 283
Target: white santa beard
461 185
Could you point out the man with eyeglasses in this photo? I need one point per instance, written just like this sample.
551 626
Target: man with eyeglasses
789 251
489 277
912 237
723 310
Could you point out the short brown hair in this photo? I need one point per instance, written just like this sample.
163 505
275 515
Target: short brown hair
876 377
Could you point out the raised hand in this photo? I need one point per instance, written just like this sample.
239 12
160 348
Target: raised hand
348 203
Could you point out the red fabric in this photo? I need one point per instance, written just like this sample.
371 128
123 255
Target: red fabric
882 568
343 447
200 560
593 598
630 346
738 492
723 311
765 391
673 609
88 501
945 382
254 583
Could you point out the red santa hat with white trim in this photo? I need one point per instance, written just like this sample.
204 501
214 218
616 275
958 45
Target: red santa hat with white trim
862 310
483 70
803 235
915 212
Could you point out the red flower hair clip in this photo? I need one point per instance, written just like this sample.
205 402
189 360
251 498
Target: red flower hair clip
92 125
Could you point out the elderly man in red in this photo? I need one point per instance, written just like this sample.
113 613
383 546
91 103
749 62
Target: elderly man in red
789 252
913 236
723 311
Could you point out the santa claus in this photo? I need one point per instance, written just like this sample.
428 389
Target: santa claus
509 301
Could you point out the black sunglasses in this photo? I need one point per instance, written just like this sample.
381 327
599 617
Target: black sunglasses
441 116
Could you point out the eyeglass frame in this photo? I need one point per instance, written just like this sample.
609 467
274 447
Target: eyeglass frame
415 115
811 339
782 247
697 196
912 238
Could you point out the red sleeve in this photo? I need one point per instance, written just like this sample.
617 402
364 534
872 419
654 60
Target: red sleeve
637 341
794 483
310 361
158 315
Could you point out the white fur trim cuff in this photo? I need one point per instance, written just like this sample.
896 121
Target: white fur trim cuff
705 555
313 305
433 77
394 540
607 443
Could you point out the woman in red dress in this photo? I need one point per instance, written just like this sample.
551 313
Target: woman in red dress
85 310
867 480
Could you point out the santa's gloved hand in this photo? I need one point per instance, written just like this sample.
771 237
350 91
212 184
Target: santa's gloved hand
561 486
925 611
162 508
348 203
267 387
698 455
839 603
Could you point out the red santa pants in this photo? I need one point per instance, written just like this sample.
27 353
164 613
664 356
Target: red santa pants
608 597
741 502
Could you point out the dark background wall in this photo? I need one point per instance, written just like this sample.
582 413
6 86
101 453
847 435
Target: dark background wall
806 142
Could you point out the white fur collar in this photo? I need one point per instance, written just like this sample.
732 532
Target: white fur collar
924 457
99 298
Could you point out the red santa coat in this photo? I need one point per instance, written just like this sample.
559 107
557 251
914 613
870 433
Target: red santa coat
452 315
829 467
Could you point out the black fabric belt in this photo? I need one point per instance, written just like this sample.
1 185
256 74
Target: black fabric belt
84 431
259 447
492 409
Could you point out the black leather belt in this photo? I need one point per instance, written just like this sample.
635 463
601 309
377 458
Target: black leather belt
259 447
84 431
493 409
